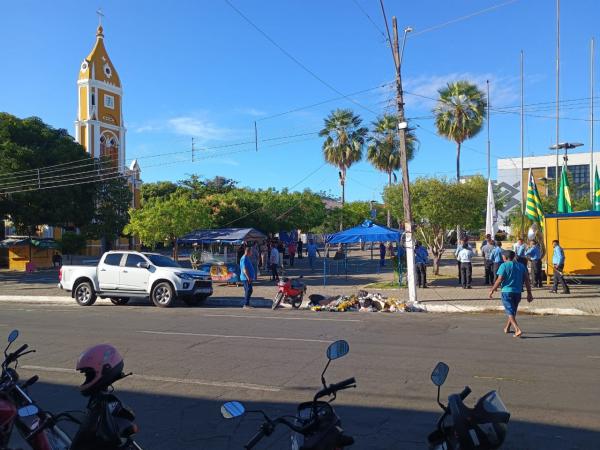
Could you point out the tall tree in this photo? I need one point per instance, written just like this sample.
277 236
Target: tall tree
384 148
27 145
344 141
459 114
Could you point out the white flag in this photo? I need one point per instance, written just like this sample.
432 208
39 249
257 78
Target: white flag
491 218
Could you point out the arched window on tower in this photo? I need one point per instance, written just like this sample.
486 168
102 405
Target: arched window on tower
109 147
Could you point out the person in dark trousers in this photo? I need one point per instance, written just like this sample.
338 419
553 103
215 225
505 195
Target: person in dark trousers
512 275
292 252
486 250
56 260
247 275
459 247
299 247
465 256
534 254
496 257
274 263
381 254
520 249
558 262
421 260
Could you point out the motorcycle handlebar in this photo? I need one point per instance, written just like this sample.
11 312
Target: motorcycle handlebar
333 388
34 379
465 393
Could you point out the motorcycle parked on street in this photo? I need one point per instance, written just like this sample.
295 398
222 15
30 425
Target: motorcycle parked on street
483 427
290 291
107 424
315 426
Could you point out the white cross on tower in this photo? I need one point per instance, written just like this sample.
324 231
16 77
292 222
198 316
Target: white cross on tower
100 16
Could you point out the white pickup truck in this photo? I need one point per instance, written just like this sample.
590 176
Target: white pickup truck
121 275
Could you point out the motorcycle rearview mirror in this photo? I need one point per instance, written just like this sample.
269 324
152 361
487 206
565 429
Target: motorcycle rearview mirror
28 411
337 349
12 337
439 374
230 410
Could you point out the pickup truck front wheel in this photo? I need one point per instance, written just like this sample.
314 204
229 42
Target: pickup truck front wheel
84 294
163 294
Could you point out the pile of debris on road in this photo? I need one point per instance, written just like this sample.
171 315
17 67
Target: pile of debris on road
362 301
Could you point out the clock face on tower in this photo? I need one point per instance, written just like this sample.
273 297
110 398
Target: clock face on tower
84 66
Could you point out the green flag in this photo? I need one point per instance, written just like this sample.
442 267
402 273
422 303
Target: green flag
533 207
596 205
563 201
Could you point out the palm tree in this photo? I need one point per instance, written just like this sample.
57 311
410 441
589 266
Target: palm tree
384 148
459 114
344 140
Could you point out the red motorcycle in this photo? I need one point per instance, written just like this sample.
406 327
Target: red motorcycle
290 291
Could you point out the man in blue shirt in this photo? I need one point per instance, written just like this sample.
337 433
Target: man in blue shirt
312 252
519 250
421 260
247 276
496 258
511 275
535 256
558 262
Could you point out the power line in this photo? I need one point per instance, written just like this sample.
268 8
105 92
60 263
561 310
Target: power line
385 38
296 60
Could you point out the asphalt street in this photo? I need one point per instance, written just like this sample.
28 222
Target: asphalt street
187 361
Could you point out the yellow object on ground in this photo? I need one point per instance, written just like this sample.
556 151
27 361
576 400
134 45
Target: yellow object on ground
579 236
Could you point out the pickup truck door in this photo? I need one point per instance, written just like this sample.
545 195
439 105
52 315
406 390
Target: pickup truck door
108 271
132 277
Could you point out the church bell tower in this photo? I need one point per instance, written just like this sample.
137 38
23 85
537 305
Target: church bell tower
99 126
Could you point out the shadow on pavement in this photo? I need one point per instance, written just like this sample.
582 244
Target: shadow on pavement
186 423
558 335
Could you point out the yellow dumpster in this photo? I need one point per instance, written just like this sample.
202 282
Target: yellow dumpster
579 236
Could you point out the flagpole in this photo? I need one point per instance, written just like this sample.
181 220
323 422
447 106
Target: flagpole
557 91
489 169
592 172
522 150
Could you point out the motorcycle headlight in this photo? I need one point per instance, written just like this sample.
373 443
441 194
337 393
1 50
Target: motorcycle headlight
183 275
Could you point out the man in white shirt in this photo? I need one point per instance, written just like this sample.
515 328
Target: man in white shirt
464 257
274 262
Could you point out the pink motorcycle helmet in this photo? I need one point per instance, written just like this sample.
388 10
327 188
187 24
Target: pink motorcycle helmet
102 365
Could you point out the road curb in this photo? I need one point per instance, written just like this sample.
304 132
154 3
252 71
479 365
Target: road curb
438 307
462 308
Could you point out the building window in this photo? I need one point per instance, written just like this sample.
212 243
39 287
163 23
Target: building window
579 179
93 99
109 101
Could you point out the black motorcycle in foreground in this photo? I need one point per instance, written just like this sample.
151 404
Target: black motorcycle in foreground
316 426
483 427
106 424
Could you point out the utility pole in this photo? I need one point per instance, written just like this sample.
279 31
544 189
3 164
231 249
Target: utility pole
402 126
557 95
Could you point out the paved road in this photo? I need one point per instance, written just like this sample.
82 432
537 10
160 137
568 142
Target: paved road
188 361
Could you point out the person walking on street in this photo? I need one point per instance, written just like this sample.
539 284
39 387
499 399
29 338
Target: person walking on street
292 252
496 257
274 262
381 254
535 256
247 275
312 251
520 248
299 248
511 276
486 251
421 260
558 262
465 256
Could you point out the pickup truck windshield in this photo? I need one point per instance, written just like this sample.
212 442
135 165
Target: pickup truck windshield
161 261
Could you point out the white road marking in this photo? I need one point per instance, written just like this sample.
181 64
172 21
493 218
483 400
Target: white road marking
225 384
279 318
594 357
590 329
226 336
481 377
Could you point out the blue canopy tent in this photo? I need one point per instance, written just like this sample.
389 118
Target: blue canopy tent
367 231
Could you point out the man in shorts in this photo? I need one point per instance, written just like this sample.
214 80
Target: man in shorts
511 275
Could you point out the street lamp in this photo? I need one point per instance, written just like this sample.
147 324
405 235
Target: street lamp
566 146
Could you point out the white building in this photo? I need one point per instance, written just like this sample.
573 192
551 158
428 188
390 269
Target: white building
543 169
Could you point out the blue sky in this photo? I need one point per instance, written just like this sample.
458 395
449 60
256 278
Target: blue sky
197 69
